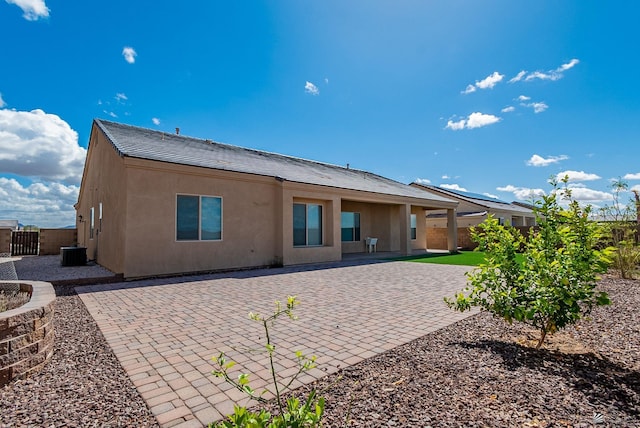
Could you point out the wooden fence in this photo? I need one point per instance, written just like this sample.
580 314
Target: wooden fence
24 243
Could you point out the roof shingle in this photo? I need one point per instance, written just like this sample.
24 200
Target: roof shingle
142 143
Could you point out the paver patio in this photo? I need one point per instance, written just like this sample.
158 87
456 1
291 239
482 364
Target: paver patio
165 331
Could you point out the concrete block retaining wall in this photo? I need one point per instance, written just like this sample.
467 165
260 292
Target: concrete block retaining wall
52 239
26 333
437 237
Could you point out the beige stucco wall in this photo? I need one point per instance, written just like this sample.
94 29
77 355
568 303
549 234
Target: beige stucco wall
103 180
249 220
137 237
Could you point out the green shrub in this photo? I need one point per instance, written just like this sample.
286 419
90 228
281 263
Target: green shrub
293 413
555 284
621 231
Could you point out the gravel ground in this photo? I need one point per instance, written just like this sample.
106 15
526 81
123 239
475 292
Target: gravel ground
475 373
82 386
47 268
480 372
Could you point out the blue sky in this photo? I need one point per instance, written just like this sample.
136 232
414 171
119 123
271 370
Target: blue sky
492 97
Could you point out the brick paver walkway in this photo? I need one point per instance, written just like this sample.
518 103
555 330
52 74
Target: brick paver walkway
164 332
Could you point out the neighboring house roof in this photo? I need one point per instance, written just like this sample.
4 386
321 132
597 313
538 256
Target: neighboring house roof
142 143
487 202
524 204
9 224
459 214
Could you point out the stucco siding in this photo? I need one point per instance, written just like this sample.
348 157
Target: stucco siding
248 220
103 181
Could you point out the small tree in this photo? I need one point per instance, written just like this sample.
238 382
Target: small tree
293 413
620 224
554 284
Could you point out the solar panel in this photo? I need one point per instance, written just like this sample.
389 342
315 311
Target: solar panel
475 196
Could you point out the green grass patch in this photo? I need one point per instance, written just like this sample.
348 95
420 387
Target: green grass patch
463 258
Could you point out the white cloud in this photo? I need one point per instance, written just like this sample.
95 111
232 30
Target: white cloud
310 88
577 176
538 107
475 120
522 193
487 83
43 204
445 177
490 195
584 194
423 181
518 77
636 188
326 80
568 65
32 9
110 113
537 160
155 121
129 54
469 89
508 109
37 144
635 176
120 97
478 120
2 103
456 126
542 76
453 187
553 75
490 81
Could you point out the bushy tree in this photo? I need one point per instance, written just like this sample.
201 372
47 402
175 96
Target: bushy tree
621 229
553 283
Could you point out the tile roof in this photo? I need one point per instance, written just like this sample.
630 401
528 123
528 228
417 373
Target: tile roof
142 143
475 198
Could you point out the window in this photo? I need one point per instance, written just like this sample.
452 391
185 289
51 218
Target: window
307 225
198 218
350 227
92 222
100 217
414 223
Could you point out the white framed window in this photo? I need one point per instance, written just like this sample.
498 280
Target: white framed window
92 222
307 225
350 225
414 226
100 217
198 218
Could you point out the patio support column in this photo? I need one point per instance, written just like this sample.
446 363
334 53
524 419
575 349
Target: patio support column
452 225
405 230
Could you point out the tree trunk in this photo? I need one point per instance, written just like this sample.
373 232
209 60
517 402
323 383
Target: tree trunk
637 195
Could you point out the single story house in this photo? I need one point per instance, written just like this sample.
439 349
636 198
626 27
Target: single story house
474 208
9 224
156 203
